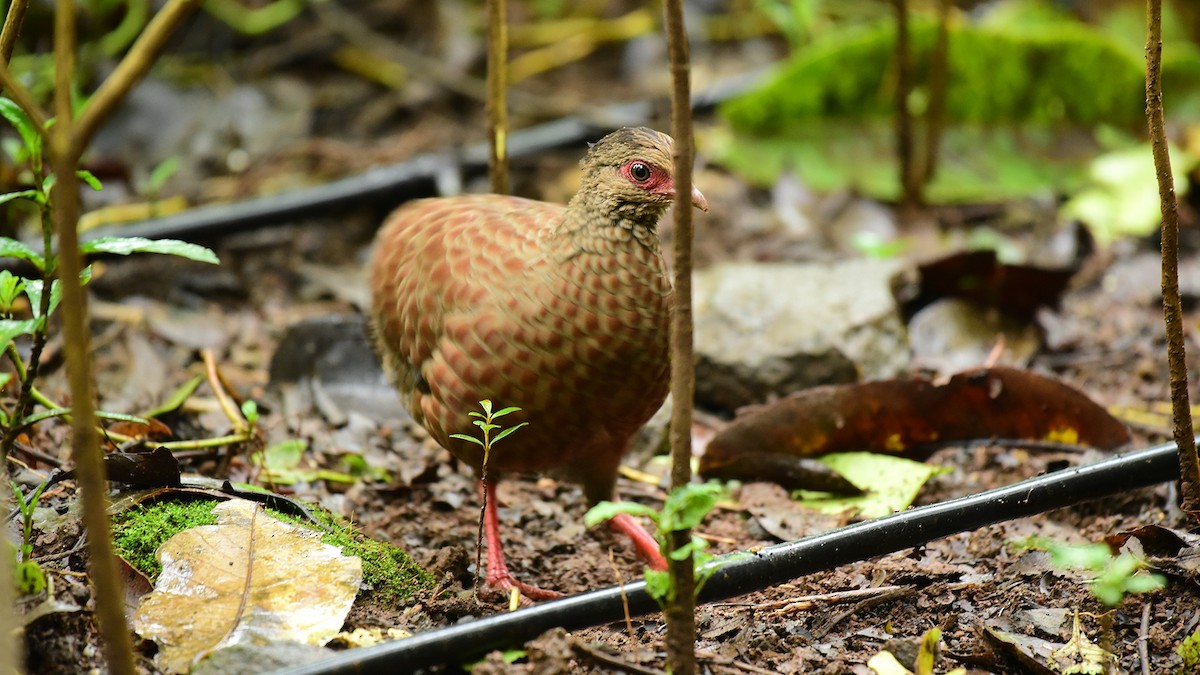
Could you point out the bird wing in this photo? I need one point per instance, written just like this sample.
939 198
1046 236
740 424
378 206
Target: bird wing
453 272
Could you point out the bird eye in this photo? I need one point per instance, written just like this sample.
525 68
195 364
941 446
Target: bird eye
639 171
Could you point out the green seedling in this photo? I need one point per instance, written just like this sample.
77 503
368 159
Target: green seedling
29 577
487 424
34 323
1115 575
683 509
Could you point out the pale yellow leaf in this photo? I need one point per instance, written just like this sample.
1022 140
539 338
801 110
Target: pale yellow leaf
249 579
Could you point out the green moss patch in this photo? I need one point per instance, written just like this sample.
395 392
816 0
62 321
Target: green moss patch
139 531
389 574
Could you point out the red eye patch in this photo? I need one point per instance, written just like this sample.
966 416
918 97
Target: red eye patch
646 175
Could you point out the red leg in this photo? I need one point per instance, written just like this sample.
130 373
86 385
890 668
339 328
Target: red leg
498 575
645 544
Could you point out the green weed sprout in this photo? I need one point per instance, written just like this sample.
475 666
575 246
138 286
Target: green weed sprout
487 424
45 290
28 575
1116 575
683 509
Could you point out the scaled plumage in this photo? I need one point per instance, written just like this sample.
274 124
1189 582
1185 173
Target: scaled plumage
563 311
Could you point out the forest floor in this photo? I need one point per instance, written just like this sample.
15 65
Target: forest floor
151 318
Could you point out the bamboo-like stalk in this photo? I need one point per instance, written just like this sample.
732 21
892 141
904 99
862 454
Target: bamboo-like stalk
909 187
12 28
681 611
1181 412
89 464
10 648
64 144
935 117
497 105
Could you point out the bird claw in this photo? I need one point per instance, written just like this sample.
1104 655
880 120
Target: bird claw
506 582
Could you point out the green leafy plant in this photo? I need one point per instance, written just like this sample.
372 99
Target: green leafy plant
1116 575
1189 651
683 509
795 19
29 577
487 424
15 322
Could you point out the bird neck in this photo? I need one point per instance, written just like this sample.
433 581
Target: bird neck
600 225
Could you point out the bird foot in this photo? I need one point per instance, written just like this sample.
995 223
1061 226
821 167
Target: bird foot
506 582
643 541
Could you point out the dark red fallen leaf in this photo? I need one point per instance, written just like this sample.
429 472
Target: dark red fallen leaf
911 416
1158 541
979 277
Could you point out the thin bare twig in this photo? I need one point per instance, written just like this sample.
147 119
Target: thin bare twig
1143 639
612 661
216 383
823 630
1189 463
24 100
681 612
12 28
909 188
129 72
40 336
808 602
935 117
89 464
497 86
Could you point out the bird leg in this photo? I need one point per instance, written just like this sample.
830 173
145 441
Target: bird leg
643 541
498 575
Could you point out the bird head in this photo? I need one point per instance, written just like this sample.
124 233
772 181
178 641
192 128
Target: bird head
632 171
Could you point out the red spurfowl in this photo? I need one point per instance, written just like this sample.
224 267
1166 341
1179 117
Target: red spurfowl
563 311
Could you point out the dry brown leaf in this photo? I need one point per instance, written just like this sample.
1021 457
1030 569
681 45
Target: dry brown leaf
248 579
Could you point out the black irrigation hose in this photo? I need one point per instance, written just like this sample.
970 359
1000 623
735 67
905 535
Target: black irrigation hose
770 566
391 185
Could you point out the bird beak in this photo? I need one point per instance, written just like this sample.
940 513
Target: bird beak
698 199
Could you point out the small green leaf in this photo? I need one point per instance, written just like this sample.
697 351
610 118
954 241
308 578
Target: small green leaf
604 511
17 117
687 506
33 288
44 415
30 578
507 431
10 287
31 195
163 172
250 411
502 413
11 248
685 551
658 585
89 178
121 417
284 455
464 437
1094 557
128 245
177 398
475 413
1145 582
10 329
513 655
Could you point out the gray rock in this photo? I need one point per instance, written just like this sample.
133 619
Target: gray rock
765 330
